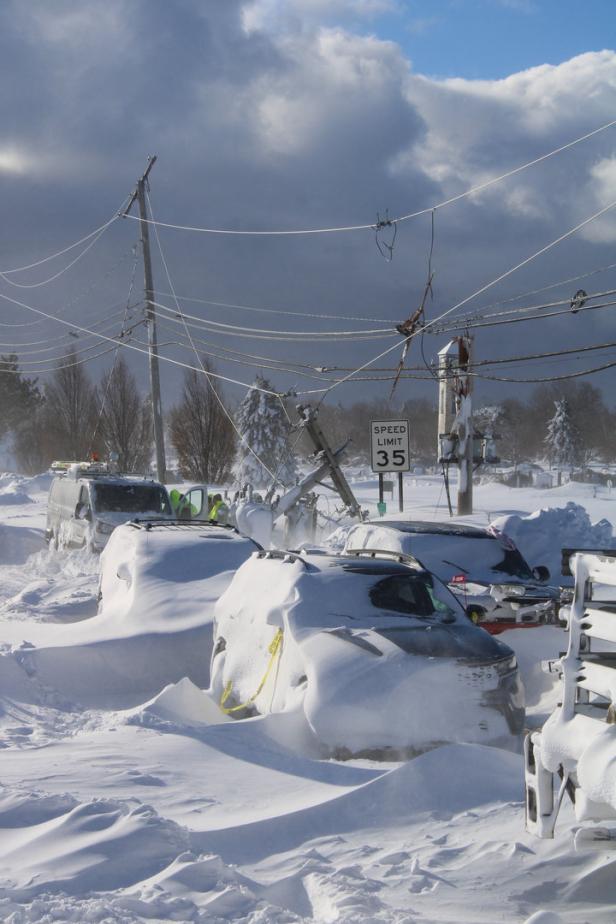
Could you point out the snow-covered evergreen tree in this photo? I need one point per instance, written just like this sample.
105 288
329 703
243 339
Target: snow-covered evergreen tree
562 439
265 429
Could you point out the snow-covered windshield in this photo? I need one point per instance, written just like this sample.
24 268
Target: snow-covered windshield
478 558
131 498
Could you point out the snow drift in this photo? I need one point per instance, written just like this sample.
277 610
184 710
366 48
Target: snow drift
541 535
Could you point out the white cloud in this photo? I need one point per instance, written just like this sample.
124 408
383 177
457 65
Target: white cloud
283 15
602 191
334 81
478 129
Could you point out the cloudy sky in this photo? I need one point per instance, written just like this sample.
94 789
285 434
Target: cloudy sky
306 114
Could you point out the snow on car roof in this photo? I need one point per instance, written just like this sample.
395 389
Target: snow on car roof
371 561
446 529
204 529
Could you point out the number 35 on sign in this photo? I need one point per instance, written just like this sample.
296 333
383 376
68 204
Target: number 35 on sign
390 449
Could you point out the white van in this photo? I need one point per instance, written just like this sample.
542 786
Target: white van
86 502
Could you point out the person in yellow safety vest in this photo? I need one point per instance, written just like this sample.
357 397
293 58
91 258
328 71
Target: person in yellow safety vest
219 510
175 498
182 508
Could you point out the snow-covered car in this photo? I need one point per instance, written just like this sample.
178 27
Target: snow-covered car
482 567
161 579
373 656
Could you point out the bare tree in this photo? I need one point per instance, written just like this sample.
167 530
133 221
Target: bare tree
33 445
201 432
70 410
125 419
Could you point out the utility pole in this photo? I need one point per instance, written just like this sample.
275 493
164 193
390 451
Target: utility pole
456 432
466 434
150 314
330 458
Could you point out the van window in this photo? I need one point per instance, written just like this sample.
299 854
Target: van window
130 498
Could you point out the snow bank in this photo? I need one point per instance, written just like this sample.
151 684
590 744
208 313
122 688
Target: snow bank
12 495
17 543
541 535
55 843
178 705
597 768
532 647
153 626
442 782
38 483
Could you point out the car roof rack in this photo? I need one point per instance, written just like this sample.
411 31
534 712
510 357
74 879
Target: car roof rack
402 558
282 555
74 470
181 525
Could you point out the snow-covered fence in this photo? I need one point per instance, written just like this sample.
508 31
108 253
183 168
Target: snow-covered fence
575 752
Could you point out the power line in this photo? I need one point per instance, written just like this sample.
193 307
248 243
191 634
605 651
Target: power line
129 346
60 253
468 298
274 365
481 315
551 378
36 285
115 358
297 314
471 325
392 221
83 294
52 369
63 338
260 360
205 372
552 285
30 365
262 333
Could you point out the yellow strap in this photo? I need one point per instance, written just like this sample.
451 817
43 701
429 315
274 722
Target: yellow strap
274 648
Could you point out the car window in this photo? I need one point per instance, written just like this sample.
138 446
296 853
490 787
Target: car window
131 498
408 594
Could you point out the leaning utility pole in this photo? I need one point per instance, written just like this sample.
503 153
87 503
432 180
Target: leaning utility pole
150 314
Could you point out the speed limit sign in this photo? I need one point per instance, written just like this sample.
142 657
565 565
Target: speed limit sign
390 449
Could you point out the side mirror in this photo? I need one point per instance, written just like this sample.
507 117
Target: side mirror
82 512
541 573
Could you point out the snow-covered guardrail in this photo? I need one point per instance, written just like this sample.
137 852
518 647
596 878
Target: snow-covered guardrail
575 751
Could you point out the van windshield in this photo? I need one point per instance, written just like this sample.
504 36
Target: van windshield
131 498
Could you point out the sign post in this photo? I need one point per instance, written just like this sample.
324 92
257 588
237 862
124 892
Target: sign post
390 451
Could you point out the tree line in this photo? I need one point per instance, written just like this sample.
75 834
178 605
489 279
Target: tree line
71 417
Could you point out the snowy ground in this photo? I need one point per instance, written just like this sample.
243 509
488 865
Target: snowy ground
131 811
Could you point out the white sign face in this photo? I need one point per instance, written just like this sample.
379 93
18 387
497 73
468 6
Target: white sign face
390 448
